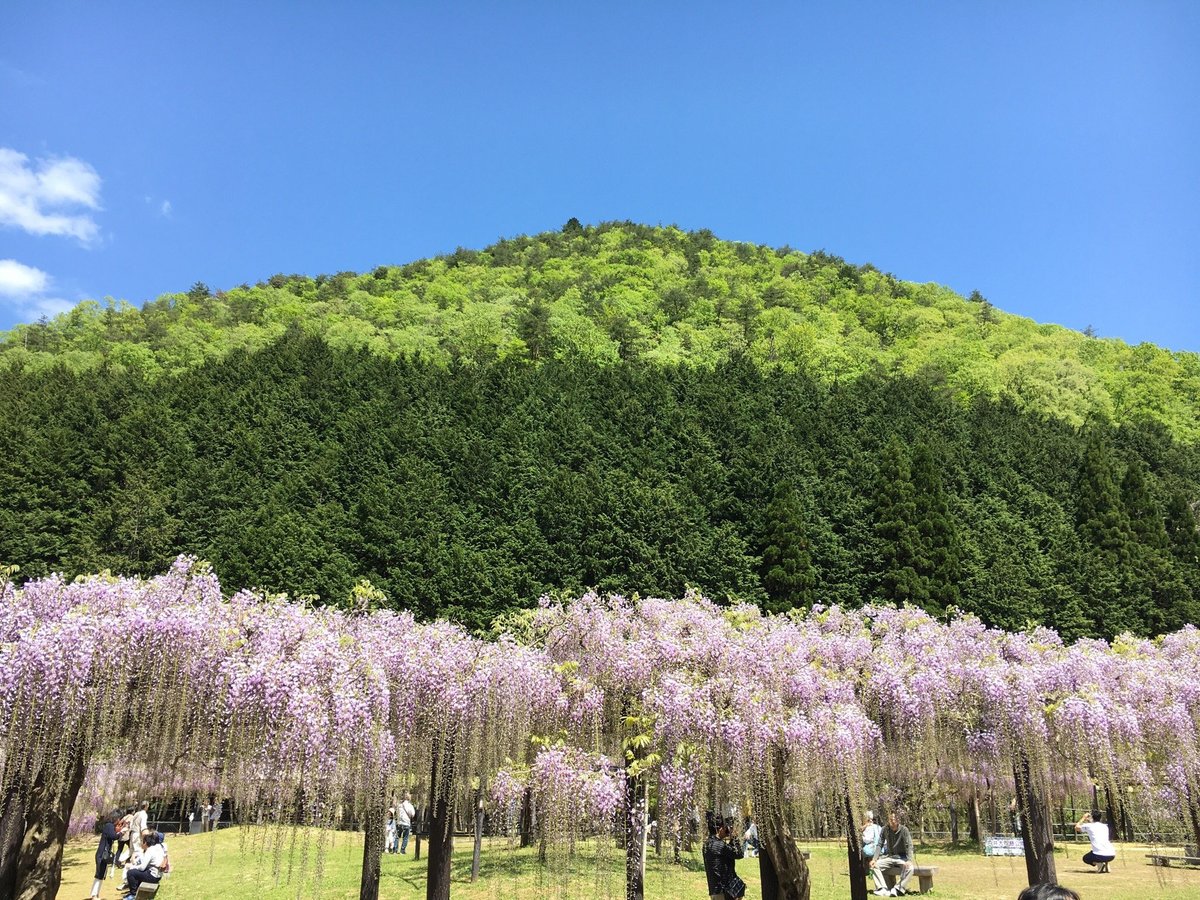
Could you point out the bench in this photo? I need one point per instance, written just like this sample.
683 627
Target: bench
1162 859
924 878
146 891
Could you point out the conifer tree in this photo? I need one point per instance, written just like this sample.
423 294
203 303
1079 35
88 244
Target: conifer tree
894 516
940 560
1100 514
1145 518
789 575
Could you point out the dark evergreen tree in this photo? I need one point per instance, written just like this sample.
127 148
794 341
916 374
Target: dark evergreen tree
789 577
895 514
939 562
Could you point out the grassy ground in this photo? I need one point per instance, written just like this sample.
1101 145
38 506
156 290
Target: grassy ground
239 864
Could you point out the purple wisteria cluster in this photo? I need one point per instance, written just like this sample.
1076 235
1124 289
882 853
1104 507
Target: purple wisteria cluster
168 687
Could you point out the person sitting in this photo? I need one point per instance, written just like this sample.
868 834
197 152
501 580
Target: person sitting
150 864
871 831
1102 852
895 855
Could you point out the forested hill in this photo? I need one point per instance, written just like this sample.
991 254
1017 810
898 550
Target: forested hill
468 490
635 409
624 292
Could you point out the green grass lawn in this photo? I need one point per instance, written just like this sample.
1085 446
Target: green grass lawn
241 863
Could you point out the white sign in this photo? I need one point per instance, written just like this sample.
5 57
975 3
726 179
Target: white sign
1003 846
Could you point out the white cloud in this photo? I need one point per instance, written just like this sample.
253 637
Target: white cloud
44 196
18 280
165 209
24 290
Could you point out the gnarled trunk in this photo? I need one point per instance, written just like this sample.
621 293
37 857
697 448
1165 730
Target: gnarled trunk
373 841
635 838
12 830
858 868
39 866
783 870
1036 831
441 826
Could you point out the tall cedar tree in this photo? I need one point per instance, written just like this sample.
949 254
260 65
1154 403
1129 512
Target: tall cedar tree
895 527
940 560
789 575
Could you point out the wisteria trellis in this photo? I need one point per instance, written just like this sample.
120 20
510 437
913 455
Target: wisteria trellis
311 717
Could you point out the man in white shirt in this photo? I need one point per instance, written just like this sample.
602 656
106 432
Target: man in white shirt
404 817
1102 852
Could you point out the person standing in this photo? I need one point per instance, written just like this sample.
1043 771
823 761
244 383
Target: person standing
405 813
750 838
720 859
1102 852
871 832
391 838
123 825
104 853
136 826
216 815
895 854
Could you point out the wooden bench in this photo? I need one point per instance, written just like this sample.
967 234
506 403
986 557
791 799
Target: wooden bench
924 878
146 891
1162 859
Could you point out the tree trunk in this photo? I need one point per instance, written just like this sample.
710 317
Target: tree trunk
1036 832
784 872
39 867
858 869
954 823
418 823
526 825
1193 816
12 829
441 829
973 831
478 832
1113 812
374 837
635 838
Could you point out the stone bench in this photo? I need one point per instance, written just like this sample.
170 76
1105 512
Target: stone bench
924 878
146 891
1162 859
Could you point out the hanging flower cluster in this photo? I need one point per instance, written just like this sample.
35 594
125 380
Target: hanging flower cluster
167 688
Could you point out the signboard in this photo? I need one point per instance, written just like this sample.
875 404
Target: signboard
1003 846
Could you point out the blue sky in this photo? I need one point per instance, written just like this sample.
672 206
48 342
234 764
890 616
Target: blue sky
1046 154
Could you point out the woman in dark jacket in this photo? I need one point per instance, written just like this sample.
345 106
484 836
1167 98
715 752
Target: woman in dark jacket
720 857
104 853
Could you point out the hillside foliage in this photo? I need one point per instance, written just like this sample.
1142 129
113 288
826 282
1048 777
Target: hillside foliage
466 490
657 295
